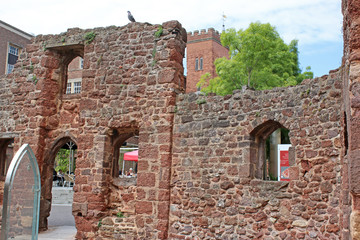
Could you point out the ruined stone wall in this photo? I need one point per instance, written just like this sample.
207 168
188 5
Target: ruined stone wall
198 169
214 194
129 84
6 109
351 89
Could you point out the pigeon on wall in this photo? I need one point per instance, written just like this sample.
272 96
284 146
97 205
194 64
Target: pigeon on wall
130 16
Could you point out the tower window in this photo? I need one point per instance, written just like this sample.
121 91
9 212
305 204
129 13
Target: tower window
201 64
196 64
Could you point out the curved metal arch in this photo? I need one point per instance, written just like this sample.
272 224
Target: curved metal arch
15 162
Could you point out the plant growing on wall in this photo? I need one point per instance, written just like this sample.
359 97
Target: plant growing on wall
159 32
34 79
89 37
120 215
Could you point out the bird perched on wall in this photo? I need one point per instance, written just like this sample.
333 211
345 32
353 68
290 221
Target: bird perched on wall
130 17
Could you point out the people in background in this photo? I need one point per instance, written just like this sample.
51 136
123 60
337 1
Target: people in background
55 178
60 176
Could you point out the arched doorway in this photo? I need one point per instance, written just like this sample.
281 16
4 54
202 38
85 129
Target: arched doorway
62 187
57 191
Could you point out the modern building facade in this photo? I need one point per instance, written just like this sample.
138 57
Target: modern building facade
12 41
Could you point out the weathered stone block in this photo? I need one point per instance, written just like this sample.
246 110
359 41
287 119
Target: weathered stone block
143 207
146 179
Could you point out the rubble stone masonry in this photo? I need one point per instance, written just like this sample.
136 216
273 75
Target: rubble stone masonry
351 89
129 84
214 195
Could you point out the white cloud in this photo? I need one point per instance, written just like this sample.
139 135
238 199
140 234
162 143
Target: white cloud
315 23
310 21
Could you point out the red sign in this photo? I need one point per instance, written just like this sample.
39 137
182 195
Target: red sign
284 165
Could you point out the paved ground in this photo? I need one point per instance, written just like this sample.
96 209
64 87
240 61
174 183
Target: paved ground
61 215
61 224
58 233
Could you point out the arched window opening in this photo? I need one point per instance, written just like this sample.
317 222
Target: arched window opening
64 165
270 152
74 76
6 155
71 58
125 164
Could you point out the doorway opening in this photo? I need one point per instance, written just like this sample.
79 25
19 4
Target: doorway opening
63 181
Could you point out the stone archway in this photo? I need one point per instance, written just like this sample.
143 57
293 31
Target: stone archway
47 179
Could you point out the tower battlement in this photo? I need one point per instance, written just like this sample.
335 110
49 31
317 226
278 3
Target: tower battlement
203 35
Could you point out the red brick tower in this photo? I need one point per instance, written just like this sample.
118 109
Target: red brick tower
201 51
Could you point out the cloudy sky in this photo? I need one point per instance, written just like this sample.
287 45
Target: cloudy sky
317 24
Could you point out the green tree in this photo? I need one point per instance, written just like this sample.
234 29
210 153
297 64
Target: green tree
258 58
62 160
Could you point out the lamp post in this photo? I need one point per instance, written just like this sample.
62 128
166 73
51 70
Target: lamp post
71 155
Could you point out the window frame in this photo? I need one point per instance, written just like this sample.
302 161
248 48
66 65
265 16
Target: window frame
68 88
9 68
77 87
14 50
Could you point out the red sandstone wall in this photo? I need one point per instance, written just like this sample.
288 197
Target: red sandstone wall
130 80
195 178
351 89
214 195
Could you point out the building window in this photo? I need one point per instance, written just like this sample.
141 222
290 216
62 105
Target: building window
13 56
201 63
77 87
68 88
73 86
9 68
81 63
14 50
196 64
74 76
